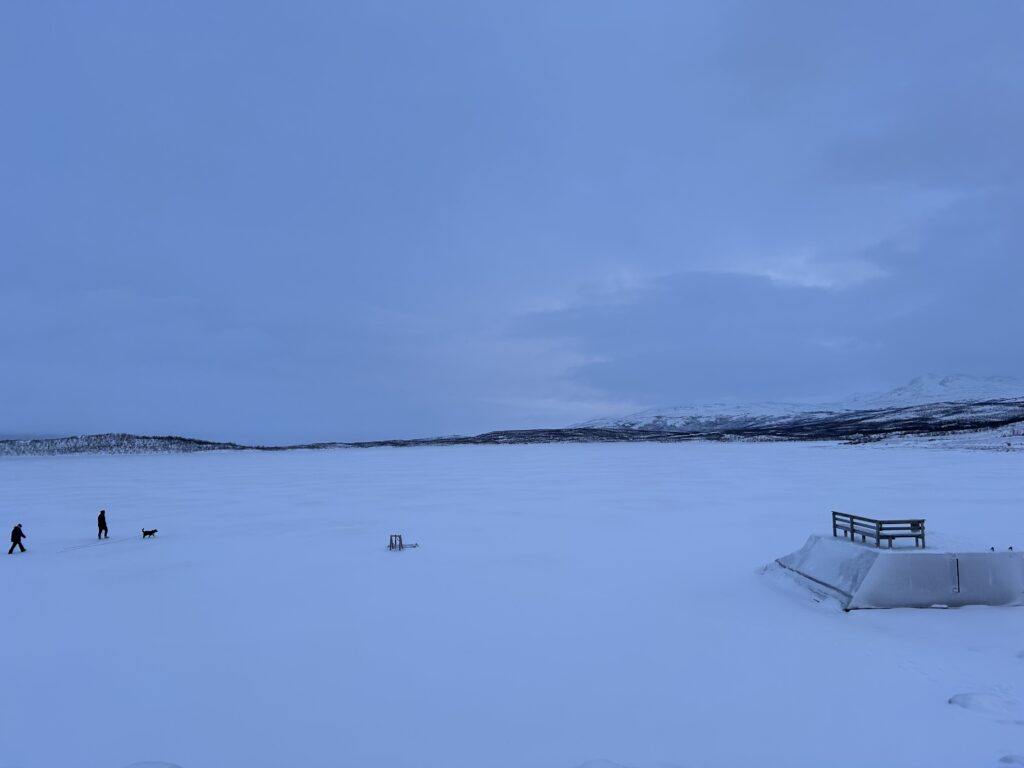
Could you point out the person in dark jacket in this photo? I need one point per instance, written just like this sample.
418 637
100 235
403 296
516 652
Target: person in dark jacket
101 521
16 536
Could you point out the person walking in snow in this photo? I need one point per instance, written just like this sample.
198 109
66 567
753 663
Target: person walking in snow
101 521
16 536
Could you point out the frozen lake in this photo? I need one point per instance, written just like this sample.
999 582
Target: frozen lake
568 603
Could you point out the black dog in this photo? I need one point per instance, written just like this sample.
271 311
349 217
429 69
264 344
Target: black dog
146 533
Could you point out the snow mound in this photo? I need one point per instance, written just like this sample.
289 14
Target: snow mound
868 577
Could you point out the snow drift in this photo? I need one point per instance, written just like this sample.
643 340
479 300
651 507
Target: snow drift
862 576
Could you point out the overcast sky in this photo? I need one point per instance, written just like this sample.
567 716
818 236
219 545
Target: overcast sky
292 221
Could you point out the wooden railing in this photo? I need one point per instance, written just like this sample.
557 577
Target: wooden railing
879 530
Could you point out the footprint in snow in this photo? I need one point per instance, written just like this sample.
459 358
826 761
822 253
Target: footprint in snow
1012 759
989 703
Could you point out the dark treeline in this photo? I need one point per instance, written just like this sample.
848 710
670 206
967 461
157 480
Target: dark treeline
862 425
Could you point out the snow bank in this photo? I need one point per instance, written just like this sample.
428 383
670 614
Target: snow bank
867 577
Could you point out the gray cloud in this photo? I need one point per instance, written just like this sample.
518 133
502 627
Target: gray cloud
330 222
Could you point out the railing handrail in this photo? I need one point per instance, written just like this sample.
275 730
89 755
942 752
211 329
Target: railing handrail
858 525
875 520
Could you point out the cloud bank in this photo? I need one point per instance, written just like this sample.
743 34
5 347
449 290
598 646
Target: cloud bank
279 224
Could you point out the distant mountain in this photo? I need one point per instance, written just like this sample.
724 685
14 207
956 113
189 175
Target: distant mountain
941 389
108 443
718 417
951 410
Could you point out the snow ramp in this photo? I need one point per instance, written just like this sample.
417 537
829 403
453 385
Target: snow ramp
864 576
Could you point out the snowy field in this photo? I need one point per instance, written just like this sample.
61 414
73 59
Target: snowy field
569 605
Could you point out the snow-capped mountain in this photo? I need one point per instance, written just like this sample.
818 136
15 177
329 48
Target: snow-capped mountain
982 412
940 389
721 417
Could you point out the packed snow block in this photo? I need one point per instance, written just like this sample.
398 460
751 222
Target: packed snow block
832 563
866 577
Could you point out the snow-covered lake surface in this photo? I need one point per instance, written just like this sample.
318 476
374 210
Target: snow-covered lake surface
569 604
